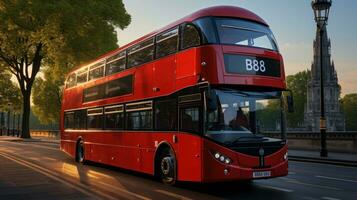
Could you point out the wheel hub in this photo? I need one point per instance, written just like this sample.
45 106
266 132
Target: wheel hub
166 165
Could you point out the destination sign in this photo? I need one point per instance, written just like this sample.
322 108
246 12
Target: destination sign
252 65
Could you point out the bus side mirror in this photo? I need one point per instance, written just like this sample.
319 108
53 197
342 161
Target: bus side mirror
212 103
290 102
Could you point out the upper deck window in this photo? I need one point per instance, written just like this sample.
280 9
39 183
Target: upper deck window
190 36
246 33
82 75
71 80
96 71
115 63
141 53
166 43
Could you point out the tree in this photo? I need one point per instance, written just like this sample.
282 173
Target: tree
297 83
10 97
47 92
54 33
9 93
349 106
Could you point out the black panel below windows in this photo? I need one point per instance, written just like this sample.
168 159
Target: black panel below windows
251 148
113 88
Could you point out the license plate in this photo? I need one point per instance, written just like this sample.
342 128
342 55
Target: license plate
261 174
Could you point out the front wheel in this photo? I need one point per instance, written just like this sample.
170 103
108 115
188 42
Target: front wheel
80 152
167 166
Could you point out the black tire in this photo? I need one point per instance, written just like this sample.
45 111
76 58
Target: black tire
80 152
167 167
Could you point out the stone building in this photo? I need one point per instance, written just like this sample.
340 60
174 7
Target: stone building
335 120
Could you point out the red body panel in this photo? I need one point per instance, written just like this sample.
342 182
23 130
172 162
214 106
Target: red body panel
135 150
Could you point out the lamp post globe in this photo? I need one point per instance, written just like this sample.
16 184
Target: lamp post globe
321 11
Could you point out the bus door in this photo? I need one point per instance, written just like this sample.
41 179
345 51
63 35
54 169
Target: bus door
190 141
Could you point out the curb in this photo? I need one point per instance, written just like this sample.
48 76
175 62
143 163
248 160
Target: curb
347 163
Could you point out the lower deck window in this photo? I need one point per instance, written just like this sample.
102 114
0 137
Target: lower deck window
95 121
190 118
114 121
139 120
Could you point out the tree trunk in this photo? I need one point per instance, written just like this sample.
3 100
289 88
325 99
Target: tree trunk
26 115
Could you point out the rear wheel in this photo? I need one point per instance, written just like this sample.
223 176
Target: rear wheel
80 152
167 167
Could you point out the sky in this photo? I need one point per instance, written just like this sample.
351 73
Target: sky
292 22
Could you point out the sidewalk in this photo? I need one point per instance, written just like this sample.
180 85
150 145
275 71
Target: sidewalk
347 159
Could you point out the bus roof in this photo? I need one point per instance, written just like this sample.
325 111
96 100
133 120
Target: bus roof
215 11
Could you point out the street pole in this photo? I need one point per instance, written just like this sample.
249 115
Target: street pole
321 11
18 125
13 123
8 122
1 122
323 152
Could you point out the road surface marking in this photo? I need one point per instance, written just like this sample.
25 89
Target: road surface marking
329 198
291 180
276 188
34 145
309 198
172 194
48 158
77 186
123 190
99 174
337 179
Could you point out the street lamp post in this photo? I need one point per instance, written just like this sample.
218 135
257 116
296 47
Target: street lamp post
321 11
8 119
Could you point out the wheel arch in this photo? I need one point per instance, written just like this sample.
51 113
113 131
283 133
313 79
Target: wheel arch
160 147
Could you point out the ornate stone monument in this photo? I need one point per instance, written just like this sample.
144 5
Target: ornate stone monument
335 120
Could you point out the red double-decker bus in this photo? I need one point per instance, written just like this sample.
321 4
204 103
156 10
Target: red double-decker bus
197 100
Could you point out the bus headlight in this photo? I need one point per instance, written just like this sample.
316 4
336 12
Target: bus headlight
217 155
222 158
227 161
286 156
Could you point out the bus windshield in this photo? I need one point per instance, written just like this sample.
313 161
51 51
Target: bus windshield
246 33
237 115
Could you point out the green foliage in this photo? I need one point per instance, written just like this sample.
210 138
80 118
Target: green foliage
46 100
56 34
298 84
349 106
268 114
9 93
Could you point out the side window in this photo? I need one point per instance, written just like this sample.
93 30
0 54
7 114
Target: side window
166 115
166 43
82 75
190 119
69 120
118 87
190 36
115 63
93 93
80 119
96 71
139 116
95 118
141 53
114 117
71 80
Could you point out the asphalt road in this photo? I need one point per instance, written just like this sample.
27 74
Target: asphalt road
37 170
